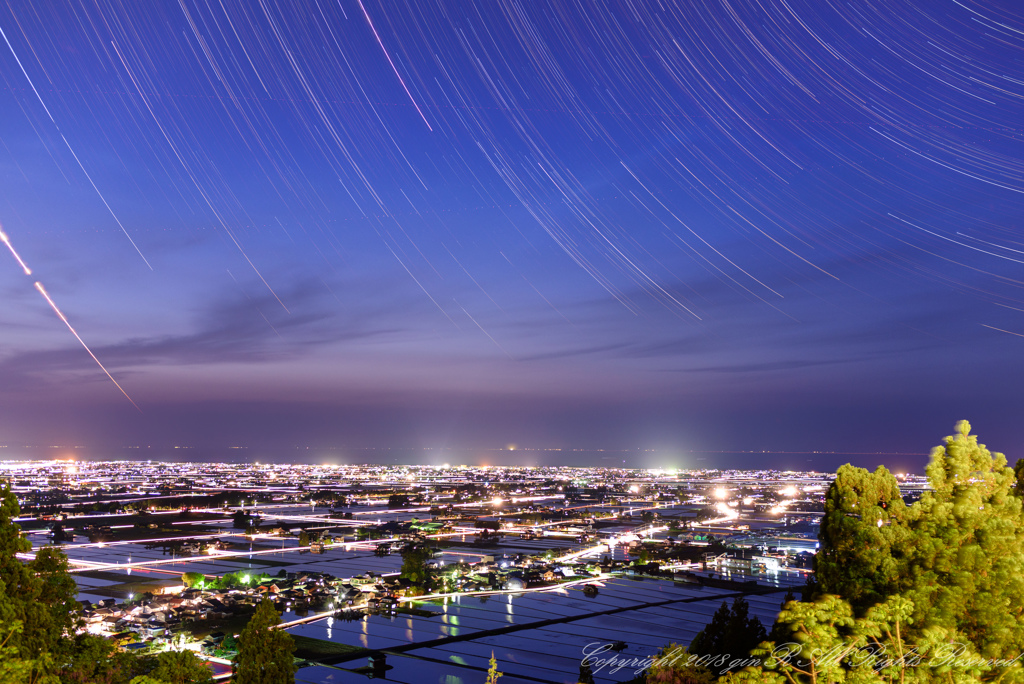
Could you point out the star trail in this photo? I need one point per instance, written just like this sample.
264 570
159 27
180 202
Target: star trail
713 225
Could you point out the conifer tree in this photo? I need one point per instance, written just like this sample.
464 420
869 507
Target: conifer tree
265 655
731 632
957 555
968 547
38 602
863 537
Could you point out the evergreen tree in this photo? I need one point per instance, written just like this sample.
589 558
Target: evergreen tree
956 556
15 669
414 565
181 667
37 602
968 548
265 654
241 520
863 537
731 632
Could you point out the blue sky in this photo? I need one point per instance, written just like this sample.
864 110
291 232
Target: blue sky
714 225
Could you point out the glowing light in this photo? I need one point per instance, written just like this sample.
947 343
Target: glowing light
7 241
497 501
726 512
633 489
789 491
721 493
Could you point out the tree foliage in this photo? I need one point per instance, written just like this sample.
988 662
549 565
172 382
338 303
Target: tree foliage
863 537
957 554
191 579
265 654
181 667
37 603
923 593
968 563
414 565
676 665
732 632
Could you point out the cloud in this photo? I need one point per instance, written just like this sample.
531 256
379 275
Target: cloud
235 329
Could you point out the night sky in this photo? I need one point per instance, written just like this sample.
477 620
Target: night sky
673 227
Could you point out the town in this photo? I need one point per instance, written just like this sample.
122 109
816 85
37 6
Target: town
361 559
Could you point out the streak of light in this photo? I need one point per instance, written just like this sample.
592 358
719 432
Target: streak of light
72 151
7 241
53 305
198 186
393 67
475 322
992 327
957 242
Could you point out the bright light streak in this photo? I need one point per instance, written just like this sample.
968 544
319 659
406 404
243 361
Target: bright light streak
393 67
7 241
789 491
53 305
80 165
721 493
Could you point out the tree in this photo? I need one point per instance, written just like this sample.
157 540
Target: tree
14 669
96 660
414 565
60 535
957 554
303 538
731 632
828 643
264 653
968 561
864 536
241 520
181 667
947 570
191 579
37 601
